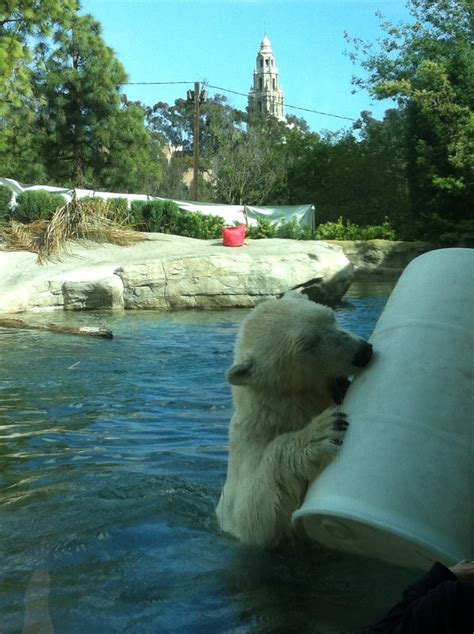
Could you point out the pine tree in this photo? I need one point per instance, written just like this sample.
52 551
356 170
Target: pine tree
79 80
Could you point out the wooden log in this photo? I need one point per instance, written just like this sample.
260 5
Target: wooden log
87 331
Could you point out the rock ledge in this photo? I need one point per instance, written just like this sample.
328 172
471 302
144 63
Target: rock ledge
171 273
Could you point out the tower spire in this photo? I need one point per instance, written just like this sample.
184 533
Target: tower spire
265 95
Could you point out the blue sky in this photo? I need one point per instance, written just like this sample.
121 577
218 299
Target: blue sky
218 40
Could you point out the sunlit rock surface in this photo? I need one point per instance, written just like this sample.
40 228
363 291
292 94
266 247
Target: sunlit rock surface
167 272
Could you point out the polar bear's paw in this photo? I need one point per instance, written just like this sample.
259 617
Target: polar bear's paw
325 435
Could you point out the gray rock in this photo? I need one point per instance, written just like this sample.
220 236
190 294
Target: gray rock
234 279
381 257
106 293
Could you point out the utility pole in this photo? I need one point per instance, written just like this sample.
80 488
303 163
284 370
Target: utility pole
196 142
197 97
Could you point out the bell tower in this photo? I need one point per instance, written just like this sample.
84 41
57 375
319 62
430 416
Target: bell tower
265 95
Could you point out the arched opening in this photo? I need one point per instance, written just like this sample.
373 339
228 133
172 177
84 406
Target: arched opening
260 83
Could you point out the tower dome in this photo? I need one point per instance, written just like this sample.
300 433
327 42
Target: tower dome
266 45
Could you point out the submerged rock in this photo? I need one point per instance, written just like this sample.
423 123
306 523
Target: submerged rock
167 272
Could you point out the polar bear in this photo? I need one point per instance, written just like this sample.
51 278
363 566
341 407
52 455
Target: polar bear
290 359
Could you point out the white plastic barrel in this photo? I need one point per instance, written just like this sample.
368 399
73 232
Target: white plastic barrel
401 489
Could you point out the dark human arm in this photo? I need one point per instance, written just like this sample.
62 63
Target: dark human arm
437 603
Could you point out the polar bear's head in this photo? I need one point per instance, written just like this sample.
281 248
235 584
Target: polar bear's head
293 344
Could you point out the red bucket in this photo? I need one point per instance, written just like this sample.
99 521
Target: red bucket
234 236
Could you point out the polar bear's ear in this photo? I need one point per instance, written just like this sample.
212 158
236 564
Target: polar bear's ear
241 373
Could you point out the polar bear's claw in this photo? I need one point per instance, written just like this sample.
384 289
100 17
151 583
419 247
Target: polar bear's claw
341 423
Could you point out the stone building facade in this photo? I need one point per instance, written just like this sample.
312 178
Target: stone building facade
265 95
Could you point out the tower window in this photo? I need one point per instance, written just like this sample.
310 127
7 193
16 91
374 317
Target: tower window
274 84
260 83
261 62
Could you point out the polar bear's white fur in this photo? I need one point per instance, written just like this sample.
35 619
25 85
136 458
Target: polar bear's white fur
289 356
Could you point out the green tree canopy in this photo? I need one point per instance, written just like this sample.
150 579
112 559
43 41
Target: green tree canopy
79 81
88 135
20 19
427 66
248 164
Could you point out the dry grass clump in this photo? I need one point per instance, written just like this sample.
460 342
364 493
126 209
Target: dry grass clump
91 219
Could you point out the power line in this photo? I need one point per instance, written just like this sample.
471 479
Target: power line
287 105
235 92
154 83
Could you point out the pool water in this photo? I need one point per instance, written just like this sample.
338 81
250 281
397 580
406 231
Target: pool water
112 457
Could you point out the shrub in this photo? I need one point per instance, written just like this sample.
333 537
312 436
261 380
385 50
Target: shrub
444 231
160 216
196 225
459 233
294 231
136 214
5 198
345 230
119 208
164 216
36 205
264 229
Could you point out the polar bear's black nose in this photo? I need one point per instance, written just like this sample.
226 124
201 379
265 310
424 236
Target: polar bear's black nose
363 355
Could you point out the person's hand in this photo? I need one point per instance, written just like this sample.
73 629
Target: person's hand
464 571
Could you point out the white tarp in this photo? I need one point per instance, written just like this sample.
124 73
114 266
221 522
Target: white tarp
18 188
304 214
231 214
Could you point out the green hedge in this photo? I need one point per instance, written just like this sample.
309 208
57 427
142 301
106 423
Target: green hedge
346 230
36 205
115 208
164 216
340 230
5 197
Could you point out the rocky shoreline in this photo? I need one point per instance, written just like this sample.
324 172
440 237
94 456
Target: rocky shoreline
381 258
167 272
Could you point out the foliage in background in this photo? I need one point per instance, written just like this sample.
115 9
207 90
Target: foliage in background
5 198
36 205
164 216
72 127
339 230
346 230
63 121
247 166
427 67
21 20
91 139
435 228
